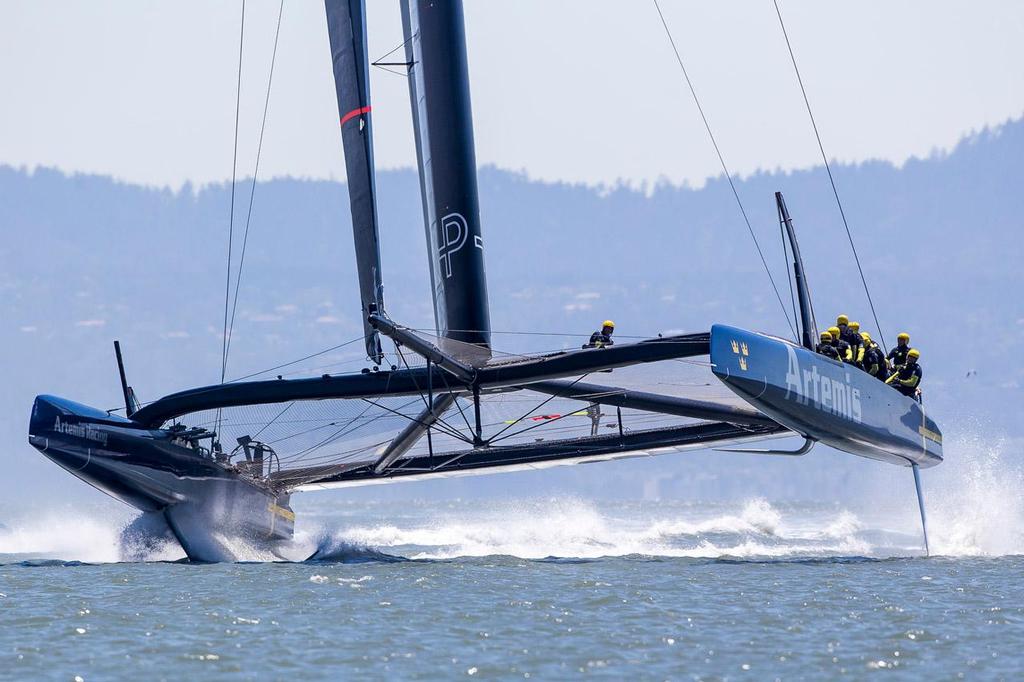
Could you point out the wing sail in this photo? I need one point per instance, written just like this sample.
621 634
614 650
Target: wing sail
435 44
346 24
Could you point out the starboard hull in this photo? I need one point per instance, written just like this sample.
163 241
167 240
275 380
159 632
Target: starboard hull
823 399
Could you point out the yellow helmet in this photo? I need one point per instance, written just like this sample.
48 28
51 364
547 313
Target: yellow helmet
842 319
608 323
903 336
914 353
865 336
826 336
834 331
855 326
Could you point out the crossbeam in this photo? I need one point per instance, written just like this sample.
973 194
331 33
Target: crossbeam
493 376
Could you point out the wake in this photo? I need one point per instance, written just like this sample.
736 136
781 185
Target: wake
974 501
545 529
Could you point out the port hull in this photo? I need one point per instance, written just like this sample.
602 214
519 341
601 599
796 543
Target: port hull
209 506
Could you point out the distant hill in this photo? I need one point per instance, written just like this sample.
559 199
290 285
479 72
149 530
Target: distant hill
86 259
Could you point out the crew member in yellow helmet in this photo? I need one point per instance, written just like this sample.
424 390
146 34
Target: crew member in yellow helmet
599 339
898 355
907 379
603 337
826 347
852 337
872 359
842 346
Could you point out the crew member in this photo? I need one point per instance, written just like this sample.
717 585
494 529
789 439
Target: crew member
853 338
826 348
898 355
907 378
600 339
841 346
872 360
843 324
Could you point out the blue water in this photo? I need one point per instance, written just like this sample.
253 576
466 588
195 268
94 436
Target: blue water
527 588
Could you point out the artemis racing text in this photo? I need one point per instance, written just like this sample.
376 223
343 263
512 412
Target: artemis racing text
80 431
809 387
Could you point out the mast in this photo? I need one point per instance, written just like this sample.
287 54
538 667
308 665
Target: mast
435 49
346 25
808 328
129 395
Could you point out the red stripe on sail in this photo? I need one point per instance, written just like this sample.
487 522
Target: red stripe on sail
355 112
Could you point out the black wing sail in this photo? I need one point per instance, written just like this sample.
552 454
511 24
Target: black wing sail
346 25
443 122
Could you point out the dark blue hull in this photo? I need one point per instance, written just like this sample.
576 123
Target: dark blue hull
208 505
824 399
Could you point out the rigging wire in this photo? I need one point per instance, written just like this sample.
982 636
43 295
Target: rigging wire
383 65
380 60
497 437
343 430
252 192
828 169
295 362
231 219
725 168
415 420
276 417
426 401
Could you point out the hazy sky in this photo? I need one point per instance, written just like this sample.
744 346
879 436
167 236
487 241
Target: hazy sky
578 91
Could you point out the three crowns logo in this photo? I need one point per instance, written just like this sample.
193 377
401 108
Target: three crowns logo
743 351
738 348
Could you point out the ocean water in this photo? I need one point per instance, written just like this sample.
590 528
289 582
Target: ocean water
537 588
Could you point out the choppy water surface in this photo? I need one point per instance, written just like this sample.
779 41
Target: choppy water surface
540 588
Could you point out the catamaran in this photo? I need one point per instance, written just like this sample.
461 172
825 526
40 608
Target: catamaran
444 407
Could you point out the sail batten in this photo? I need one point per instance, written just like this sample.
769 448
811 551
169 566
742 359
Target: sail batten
346 24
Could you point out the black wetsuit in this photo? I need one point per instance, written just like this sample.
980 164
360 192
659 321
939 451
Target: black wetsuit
854 340
844 350
599 340
898 356
874 362
906 379
828 350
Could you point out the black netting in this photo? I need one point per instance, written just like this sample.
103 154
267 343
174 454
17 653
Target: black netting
299 441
